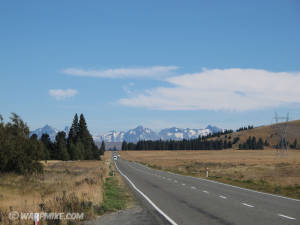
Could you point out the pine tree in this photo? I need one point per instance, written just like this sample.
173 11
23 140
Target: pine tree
61 146
74 130
102 148
124 145
37 148
79 152
48 146
294 145
86 138
260 144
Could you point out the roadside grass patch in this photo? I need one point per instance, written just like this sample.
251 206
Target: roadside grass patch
292 191
114 195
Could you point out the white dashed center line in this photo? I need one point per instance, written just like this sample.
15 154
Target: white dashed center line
287 217
245 204
222 196
193 188
175 181
183 184
206 192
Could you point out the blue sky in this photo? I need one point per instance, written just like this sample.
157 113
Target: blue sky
154 63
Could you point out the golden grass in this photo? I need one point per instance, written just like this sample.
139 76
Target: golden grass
64 187
255 167
269 133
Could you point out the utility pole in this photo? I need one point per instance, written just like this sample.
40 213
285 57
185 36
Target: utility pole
281 128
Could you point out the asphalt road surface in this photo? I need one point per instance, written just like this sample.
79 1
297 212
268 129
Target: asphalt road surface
185 200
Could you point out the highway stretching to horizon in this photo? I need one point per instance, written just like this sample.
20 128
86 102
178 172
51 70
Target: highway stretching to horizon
185 200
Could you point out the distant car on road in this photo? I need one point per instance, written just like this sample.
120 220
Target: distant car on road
115 157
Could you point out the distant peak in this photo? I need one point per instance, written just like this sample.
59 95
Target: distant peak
47 127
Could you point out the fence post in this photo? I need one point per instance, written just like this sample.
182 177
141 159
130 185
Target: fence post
36 218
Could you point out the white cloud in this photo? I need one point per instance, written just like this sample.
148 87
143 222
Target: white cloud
60 94
227 89
151 72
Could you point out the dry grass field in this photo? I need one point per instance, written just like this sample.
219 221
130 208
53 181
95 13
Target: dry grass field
262 170
269 133
71 186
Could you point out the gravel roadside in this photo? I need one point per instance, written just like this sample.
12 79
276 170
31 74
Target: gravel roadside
135 216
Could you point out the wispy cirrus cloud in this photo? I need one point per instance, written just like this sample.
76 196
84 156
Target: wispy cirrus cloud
61 94
222 89
134 72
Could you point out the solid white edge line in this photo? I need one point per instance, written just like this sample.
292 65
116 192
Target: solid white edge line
288 217
212 181
245 204
146 197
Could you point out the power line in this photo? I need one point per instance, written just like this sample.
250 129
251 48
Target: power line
281 124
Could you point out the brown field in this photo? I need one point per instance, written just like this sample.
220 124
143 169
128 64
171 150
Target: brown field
72 186
263 170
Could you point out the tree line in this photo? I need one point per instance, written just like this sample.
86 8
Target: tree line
245 128
251 143
219 134
22 154
200 143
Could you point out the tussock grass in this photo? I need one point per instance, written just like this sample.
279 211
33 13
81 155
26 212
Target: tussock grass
71 186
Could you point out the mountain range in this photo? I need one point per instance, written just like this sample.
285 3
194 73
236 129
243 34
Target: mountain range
138 133
142 133
52 132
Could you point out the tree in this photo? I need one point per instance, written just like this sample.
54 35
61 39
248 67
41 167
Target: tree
48 145
37 148
260 144
102 148
87 140
74 130
82 129
294 145
124 145
16 148
61 146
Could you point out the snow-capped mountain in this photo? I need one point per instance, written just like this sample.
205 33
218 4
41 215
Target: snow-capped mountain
214 129
175 133
112 136
46 130
140 133
51 131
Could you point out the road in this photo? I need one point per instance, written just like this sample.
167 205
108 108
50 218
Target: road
186 200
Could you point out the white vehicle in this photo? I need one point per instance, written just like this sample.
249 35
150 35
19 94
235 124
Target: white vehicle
115 157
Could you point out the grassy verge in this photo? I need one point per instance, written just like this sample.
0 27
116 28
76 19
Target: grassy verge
262 185
115 196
